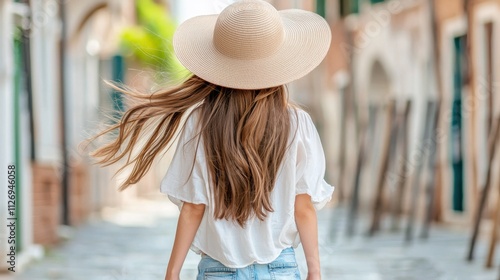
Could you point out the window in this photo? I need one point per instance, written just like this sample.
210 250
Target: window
320 8
459 80
349 7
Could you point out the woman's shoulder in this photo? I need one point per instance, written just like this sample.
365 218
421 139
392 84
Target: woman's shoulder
300 118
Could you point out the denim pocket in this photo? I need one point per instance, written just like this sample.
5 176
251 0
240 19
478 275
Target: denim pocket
284 271
219 273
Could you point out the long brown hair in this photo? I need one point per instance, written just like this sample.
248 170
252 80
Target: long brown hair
245 135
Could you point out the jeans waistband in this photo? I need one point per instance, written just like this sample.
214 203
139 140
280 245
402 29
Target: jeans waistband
289 250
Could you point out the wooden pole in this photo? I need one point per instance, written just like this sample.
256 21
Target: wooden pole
485 191
494 233
391 177
493 237
436 53
415 189
353 209
431 167
363 143
402 173
377 205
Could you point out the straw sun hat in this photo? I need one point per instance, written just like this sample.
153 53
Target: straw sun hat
251 45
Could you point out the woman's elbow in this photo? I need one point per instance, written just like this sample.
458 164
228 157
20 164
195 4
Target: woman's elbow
193 209
304 208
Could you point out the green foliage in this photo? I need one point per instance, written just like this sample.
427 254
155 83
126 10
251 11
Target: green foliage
150 41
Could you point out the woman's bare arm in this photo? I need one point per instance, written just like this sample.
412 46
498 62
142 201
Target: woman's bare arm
187 226
307 225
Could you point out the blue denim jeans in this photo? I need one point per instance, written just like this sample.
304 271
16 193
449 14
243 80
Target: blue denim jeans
284 267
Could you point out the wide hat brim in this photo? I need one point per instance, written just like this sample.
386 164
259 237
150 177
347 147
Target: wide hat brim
306 42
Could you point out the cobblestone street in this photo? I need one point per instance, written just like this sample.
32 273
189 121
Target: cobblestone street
134 244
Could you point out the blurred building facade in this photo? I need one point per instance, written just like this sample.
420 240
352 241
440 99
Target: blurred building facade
56 60
420 51
408 50
14 148
382 52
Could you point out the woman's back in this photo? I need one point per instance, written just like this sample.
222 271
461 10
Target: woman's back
259 241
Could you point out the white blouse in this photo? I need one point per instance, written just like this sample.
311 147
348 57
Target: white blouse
302 171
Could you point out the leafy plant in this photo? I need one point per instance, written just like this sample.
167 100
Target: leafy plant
150 41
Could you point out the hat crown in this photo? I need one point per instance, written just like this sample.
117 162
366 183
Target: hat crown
248 29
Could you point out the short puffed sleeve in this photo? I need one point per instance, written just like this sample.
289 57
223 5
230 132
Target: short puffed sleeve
311 163
184 180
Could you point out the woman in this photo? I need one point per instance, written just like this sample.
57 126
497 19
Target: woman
247 173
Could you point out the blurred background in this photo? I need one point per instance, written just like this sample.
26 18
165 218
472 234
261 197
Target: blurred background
407 103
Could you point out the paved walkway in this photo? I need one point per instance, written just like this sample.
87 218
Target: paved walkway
134 244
